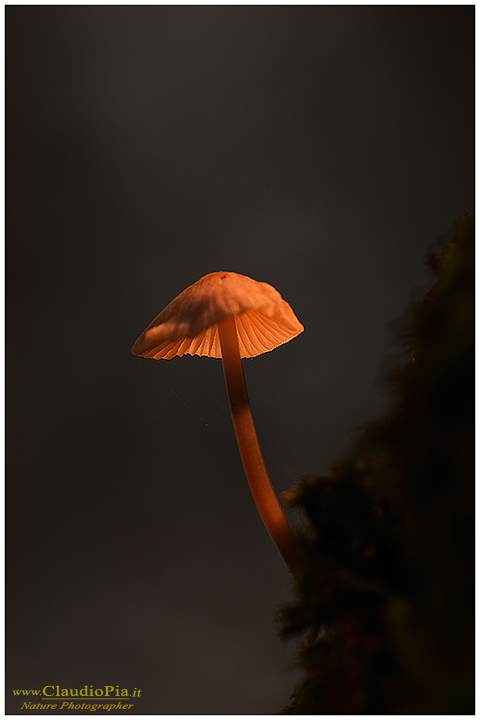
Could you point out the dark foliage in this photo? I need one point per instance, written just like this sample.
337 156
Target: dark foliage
386 590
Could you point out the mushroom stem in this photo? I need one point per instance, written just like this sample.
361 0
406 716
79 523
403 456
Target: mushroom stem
255 470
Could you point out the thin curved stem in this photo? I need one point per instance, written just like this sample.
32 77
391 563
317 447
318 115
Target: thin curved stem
255 470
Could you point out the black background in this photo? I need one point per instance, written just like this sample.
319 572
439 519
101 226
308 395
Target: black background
318 148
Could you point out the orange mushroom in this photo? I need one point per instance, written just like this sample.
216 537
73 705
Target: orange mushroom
230 316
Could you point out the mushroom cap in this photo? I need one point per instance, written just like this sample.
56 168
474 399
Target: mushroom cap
189 324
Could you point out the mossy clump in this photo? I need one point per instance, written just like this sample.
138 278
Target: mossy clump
385 592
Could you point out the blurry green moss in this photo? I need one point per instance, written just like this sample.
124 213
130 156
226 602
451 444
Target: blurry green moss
385 606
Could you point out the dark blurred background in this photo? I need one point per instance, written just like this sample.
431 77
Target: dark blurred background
321 149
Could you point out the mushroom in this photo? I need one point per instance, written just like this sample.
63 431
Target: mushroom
230 316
